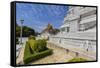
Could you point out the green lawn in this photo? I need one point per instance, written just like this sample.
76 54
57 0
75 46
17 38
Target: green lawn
77 60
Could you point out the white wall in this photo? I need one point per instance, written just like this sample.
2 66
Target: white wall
5 34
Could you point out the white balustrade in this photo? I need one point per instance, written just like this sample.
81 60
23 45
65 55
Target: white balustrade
84 44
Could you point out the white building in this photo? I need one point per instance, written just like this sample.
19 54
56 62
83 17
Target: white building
45 35
78 32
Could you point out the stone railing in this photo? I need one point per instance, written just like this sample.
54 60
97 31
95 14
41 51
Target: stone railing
83 46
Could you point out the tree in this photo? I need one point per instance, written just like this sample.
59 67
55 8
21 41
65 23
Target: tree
26 31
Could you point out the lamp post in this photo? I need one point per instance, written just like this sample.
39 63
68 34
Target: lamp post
22 21
21 27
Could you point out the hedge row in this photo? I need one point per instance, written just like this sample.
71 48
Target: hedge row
28 57
27 51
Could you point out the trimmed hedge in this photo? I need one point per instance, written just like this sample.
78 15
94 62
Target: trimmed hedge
35 49
27 51
77 60
37 45
36 56
31 37
41 45
33 45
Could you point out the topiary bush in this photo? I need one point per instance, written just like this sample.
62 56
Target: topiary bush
77 60
31 37
33 45
35 49
42 45
37 45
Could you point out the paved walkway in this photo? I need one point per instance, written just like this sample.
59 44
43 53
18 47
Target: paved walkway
19 59
59 55
21 55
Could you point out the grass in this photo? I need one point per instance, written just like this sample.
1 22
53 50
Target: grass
77 60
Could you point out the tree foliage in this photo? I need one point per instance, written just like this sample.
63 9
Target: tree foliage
26 31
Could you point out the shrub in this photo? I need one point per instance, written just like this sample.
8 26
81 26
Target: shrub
77 60
17 41
31 37
36 56
42 45
33 45
35 49
37 45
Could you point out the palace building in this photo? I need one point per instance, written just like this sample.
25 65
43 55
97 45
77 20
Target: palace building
78 31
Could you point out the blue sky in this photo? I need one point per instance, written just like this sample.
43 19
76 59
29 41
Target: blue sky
37 16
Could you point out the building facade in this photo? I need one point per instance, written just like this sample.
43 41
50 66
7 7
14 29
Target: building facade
78 31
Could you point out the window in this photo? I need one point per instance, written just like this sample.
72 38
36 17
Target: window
87 26
62 29
67 29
